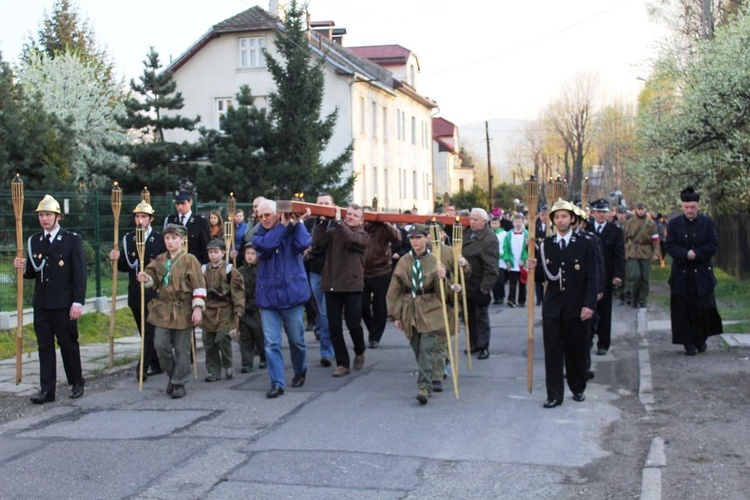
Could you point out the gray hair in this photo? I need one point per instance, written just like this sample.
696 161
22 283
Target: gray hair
267 204
482 213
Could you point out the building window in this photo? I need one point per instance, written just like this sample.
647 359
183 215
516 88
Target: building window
221 105
414 130
251 53
374 119
385 124
460 184
362 116
398 124
414 184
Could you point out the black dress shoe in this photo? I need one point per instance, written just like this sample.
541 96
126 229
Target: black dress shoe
702 347
374 344
299 380
690 350
154 371
551 403
483 354
77 390
579 396
601 351
43 397
274 392
589 375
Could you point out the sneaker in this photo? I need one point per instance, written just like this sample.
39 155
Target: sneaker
211 378
326 361
423 395
359 361
340 371
510 303
179 391
230 373
437 386
262 365
246 369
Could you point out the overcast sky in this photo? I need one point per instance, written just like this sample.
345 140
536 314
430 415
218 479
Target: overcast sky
479 59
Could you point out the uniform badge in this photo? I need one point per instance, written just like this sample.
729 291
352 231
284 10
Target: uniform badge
577 267
61 263
546 261
132 254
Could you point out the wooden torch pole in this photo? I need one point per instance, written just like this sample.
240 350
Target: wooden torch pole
17 196
458 244
116 206
532 199
140 246
436 250
229 228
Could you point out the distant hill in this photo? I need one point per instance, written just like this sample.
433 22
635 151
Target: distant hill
503 133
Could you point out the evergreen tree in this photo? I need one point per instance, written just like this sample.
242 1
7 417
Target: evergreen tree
33 143
156 163
298 135
237 150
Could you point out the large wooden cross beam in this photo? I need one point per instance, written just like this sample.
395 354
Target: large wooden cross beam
299 207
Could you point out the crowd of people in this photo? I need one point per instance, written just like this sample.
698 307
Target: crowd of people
342 269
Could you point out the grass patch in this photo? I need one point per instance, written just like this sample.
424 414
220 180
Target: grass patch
732 297
93 328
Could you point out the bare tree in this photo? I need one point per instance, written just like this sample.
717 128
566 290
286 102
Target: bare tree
613 138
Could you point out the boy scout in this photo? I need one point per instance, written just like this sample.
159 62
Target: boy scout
251 329
225 302
181 291
414 304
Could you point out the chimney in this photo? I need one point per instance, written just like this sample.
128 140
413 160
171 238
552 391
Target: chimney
273 8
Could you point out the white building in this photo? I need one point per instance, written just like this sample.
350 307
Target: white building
379 108
451 174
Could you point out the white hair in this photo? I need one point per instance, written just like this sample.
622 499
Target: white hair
482 213
266 203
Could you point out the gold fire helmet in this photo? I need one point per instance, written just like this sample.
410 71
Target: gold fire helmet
144 208
48 204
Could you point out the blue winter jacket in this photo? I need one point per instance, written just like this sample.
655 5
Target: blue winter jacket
282 281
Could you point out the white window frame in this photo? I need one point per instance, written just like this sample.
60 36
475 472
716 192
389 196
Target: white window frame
221 104
250 53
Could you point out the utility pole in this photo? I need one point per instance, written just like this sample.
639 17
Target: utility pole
489 164
707 20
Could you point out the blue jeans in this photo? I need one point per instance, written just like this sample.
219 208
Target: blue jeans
326 348
272 320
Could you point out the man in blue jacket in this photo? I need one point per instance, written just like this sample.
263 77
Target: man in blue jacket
281 291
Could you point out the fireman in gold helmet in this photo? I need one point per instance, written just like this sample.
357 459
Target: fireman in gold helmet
127 262
55 260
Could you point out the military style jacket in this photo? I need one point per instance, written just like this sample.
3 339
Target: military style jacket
58 268
177 281
225 295
423 313
128 263
639 238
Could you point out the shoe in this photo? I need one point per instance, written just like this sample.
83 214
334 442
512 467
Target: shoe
274 392
326 361
211 378
539 302
262 365
642 305
422 396
474 350
299 380
77 390
437 386
510 303
340 371
246 369
702 347
483 354
497 301
522 304
551 403
309 327
359 361
170 387
230 373
589 375
153 371
178 392
579 396
601 351
138 373
43 397
317 336
690 350
374 344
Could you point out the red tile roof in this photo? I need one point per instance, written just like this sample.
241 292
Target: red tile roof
385 55
442 127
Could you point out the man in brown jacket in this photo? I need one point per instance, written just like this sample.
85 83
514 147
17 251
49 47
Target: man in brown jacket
342 280
481 250
641 247
377 276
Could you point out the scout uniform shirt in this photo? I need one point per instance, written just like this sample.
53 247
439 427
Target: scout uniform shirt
177 281
226 295
641 238
424 313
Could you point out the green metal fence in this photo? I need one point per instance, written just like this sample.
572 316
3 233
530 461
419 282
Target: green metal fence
89 214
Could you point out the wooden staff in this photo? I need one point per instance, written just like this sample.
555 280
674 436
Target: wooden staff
532 199
436 249
140 246
458 244
229 228
116 206
16 188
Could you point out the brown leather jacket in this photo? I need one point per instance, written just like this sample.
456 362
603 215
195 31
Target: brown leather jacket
378 254
344 266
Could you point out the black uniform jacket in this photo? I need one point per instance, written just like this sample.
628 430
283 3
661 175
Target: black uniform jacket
198 234
575 277
61 278
613 250
700 237
129 255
